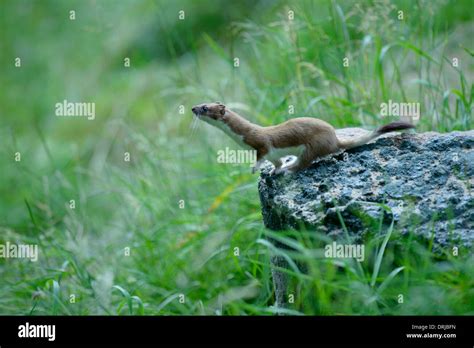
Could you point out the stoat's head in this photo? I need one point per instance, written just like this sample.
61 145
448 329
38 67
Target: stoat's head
210 112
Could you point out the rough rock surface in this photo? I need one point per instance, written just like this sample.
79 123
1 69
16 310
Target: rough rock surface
426 179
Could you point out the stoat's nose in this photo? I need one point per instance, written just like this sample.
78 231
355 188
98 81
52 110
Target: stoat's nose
194 109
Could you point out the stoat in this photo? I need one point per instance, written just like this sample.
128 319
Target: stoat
304 137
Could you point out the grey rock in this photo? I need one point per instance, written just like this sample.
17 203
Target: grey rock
425 179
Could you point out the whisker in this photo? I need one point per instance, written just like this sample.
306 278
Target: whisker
193 126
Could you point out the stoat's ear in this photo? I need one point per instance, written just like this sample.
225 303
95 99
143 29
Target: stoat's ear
222 109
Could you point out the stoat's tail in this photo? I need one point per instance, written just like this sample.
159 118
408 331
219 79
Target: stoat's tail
391 127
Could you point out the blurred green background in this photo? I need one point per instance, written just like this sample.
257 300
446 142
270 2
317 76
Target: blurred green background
190 250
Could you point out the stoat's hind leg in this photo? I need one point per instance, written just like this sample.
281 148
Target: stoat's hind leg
302 162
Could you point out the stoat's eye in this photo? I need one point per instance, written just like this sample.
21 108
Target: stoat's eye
205 109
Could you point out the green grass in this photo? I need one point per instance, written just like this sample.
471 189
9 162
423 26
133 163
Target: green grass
136 204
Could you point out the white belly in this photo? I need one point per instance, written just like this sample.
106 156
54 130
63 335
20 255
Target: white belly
276 153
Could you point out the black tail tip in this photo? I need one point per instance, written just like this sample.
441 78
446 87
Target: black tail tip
395 126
